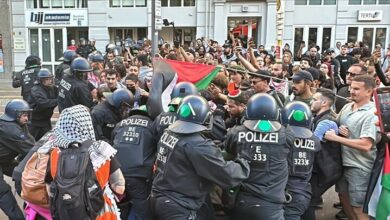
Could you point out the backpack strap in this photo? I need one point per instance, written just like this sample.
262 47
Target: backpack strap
54 156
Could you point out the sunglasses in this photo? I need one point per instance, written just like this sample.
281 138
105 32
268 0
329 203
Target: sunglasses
254 82
352 74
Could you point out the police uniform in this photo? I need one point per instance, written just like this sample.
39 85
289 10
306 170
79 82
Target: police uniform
162 122
300 159
189 164
28 78
262 195
297 117
104 119
14 140
136 144
43 102
60 71
73 91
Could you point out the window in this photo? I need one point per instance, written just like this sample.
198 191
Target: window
189 2
57 3
301 2
34 45
298 38
326 36
127 3
312 36
352 34
315 2
380 37
368 35
177 3
368 2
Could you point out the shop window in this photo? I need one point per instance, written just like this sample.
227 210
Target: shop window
115 3
298 38
164 3
380 36
355 2
44 4
382 2
70 4
352 34
312 36
314 2
368 35
141 33
326 36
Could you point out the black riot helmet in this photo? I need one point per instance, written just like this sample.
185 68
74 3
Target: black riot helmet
14 109
194 115
262 113
69 56
80 67
32 61
121 97
297 115
181 90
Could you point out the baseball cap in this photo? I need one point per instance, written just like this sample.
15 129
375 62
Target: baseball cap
302 75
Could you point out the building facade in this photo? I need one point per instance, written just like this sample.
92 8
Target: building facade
47 27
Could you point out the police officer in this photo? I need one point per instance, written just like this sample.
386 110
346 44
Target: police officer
27 77
297 116
136 144
68 57
262 195
74 89
83 50
108 113
14 140
163 120
188 164
44 99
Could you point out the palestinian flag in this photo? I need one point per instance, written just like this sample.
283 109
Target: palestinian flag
383 207
166 73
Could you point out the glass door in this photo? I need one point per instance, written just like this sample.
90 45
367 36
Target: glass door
49 45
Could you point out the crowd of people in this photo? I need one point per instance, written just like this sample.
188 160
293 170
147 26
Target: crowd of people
265 140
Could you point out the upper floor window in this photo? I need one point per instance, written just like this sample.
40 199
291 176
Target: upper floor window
368 2
177 3
315 2
57 3
127 3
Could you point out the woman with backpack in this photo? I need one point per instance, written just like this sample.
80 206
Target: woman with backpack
83 174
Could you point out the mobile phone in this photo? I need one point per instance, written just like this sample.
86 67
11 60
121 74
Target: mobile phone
382 101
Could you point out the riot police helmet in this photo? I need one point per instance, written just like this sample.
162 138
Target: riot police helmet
120 97
33 61
97 57
194 115
297 115
14 109
181 90
44 74
80 67
262 113
69 56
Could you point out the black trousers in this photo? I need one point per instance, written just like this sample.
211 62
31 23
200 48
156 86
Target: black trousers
7 200
138 190
297 207
166 209
251 207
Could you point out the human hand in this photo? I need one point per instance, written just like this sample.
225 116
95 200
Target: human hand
330 135
344 131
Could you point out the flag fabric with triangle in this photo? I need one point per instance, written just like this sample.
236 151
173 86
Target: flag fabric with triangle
166 73
383 207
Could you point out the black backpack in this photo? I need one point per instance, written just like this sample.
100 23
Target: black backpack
75 192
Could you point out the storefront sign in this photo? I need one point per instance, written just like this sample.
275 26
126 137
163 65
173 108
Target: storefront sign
38 18
375 15
19 43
